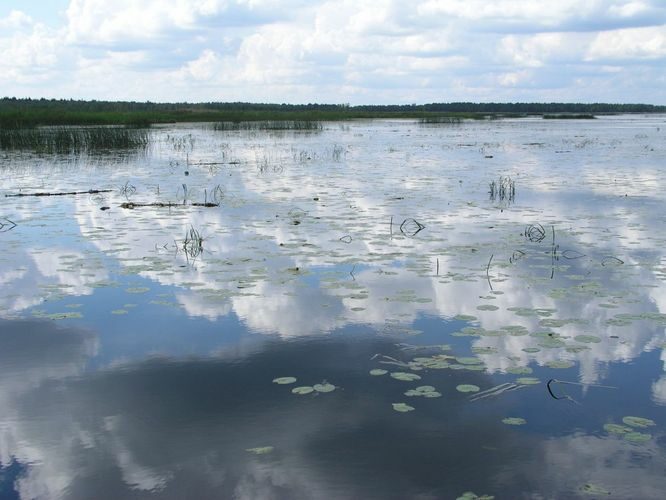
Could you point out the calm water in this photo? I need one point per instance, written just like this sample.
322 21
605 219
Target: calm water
139 347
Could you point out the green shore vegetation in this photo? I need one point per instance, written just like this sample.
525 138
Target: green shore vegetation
25 113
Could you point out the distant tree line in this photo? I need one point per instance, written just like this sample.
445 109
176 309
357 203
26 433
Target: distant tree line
31 112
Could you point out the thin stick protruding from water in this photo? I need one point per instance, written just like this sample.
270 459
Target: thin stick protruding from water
90 191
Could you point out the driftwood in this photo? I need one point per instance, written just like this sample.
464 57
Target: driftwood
90 191
132 205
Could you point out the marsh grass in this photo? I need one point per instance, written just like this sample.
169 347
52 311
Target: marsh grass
193 243
503 190
298 125
570 116
440 120
52 140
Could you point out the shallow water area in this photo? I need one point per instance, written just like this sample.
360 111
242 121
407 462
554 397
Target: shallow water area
376 309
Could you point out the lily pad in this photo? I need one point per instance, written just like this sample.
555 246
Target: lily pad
560 364
407 377
262 450
467 388
594 489
324 387
487 307
469 361
470 495
378 371
402 407
638 422
519 370
528 381
616 429
637 437
587 339
304 389
284 380
514 421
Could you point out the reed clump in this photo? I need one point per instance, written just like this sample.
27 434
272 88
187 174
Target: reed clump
440 120
304 125
503 190
52 140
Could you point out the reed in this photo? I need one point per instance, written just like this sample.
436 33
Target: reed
304 125
52 140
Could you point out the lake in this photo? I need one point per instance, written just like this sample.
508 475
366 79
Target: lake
376 309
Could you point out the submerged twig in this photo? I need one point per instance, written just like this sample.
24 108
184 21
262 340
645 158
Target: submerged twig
6 225
411 227
566 396
488 271
496 391
68 193
131 205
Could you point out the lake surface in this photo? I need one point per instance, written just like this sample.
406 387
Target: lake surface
446 336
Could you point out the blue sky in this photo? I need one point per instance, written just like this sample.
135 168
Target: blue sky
344 51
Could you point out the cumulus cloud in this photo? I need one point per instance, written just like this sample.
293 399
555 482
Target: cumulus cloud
338 51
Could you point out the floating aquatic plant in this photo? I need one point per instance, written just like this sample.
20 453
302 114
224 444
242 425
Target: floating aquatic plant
324 387
638 422
262 450
514 421
594 489
407 377
284 380
378 371
402 407
587 339
467 388
470 495
637 437
305 389
527 380
616 429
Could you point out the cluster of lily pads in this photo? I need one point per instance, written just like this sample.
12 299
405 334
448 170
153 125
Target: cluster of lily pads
629 431
447 361
324 386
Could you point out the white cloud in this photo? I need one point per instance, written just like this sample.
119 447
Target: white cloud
16 20
629 44
339 51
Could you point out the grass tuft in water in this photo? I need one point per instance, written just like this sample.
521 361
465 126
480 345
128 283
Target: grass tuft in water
52 140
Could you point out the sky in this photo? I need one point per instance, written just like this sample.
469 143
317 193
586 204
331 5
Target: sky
344 51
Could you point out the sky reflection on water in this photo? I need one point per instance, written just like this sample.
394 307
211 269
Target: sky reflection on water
132 363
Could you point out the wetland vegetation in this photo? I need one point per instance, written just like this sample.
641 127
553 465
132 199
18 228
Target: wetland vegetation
289 308
22 113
